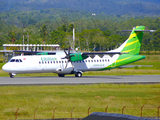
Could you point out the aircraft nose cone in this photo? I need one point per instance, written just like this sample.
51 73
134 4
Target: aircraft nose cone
5 68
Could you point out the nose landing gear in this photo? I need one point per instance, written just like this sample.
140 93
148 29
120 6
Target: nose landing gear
12 75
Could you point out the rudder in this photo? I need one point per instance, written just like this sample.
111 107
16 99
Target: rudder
133 43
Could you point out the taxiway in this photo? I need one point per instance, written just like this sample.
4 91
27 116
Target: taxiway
71 80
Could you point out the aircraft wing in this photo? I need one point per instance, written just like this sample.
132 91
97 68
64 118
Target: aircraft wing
101 54
35 52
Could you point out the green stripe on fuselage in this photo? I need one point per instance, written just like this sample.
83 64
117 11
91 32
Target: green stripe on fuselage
123 60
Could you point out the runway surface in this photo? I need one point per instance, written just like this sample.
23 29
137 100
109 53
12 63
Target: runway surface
142 79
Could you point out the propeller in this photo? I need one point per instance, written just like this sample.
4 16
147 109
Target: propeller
68 57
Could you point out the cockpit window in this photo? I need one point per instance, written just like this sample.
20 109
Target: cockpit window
15 60
12 60
20 60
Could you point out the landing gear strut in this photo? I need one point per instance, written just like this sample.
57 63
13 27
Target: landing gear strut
78 74
11 75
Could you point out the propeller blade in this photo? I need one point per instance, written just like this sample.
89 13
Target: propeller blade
68 57
65 52
66 65
35 51
69 50
72 65
31 51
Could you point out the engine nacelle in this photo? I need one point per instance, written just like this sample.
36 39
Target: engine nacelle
78 57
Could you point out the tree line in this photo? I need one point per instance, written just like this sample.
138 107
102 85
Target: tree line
91 34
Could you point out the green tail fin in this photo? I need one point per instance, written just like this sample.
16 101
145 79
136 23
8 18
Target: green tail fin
133 43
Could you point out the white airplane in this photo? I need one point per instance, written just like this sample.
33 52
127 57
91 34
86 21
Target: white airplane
64 63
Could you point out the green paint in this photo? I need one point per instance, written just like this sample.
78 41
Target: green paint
134 41
42 53
77 57
132 46
123 60
48 58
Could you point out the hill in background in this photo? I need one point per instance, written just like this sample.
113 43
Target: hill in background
109 7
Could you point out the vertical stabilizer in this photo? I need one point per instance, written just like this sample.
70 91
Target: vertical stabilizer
133 43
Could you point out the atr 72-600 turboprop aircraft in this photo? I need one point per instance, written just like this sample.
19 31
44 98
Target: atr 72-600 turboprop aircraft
64 63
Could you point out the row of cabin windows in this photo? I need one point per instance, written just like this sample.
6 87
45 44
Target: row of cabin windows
45 62
48 62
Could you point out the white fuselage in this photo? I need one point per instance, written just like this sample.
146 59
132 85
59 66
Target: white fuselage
54 64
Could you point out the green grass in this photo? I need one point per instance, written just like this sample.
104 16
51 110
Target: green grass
97 96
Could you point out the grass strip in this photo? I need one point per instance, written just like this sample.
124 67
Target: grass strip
97 96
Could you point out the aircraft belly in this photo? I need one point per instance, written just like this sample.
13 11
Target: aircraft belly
68 70
80 67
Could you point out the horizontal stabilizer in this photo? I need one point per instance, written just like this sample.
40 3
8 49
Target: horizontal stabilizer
139 30
132 66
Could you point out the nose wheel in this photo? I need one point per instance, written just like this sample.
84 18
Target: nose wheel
78 74
11 75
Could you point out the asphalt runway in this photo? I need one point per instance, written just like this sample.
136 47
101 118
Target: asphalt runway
71 80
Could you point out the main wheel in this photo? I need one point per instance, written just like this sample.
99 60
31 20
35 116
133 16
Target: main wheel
78 74
61 75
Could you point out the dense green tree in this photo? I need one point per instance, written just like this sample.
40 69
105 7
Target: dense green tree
43 33
58 37
156 40
70 28
101 31
11 36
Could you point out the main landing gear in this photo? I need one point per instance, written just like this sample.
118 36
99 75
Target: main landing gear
78 74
